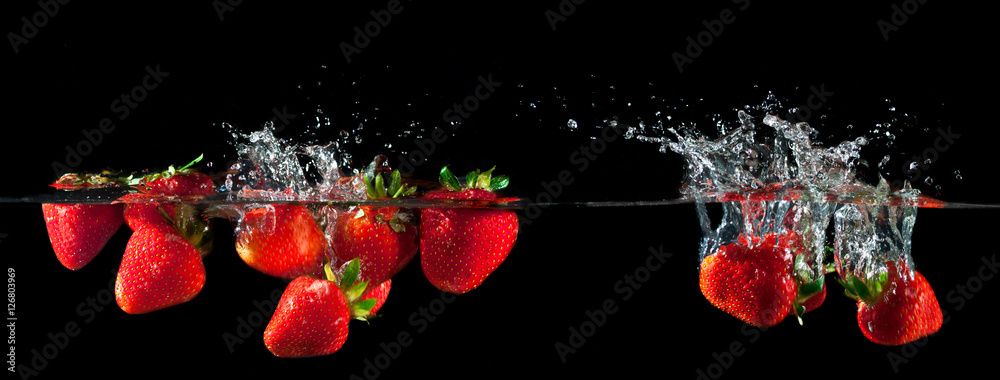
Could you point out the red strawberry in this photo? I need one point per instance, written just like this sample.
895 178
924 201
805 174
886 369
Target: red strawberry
460 247
160 268
381 237
183 182
78 232
754 284
312 316
894 309
282 241
379 294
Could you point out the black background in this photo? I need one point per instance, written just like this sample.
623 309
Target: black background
257 57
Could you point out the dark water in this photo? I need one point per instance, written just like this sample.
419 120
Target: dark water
606 62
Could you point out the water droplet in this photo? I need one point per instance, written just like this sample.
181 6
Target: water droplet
929 180
572 124
958 175
927 161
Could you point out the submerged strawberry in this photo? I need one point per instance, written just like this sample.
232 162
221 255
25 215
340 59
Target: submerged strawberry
311 318
460 247
282 240
383 238
894 309
161 267
752 283
78 232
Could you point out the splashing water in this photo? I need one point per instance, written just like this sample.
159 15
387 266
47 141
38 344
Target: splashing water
771 178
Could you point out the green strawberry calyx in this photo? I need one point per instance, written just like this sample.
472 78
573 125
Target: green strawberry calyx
170 172
474 180
352 289
867 290
375 188
809 284
188 222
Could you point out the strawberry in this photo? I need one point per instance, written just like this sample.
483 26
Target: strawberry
762 280
78 232
161 266
894 309
281 240
183 182
311 318
382 238
753 283
460 247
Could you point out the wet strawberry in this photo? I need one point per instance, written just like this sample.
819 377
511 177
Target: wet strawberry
78 232
383 238
894 309
281 240
460 247
160 268
311 319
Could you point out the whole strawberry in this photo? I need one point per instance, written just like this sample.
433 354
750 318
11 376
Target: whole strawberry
894 309
756 282
160 268
311 318
281 240
382 238
460 247
78 232
183 182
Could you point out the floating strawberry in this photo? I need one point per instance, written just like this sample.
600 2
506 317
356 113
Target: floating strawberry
894 309
78 232
752 282
460 247
383 238
282 240
312 316
162 265
183 182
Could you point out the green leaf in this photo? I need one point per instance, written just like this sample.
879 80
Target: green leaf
356 290
449 180
499 183
395 183
397 225
410 190
362 307
811 288
485 178
379 186
328 271
350 274
372 194
471 179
